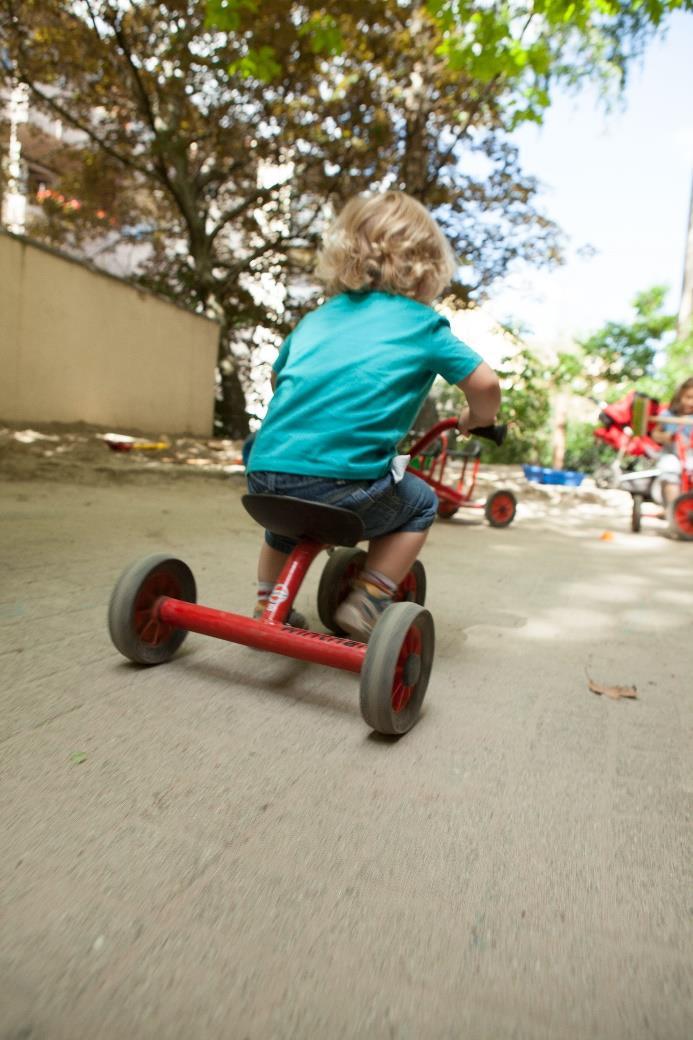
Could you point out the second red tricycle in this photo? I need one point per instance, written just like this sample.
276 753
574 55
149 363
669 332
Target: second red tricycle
430 465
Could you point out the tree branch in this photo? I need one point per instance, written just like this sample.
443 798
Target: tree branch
84 127
235 211
443 159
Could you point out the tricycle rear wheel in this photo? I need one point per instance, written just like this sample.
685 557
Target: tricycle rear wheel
342 567
396 668
339 573
681 522
500 508
133 621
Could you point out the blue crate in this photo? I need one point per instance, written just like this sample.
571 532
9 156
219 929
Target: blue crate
551 476
546 475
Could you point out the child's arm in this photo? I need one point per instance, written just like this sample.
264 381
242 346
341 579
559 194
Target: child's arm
482 391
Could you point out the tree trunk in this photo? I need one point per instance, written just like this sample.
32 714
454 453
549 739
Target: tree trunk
560 419
231 418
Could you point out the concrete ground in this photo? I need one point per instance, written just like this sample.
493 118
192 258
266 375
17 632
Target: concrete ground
219 847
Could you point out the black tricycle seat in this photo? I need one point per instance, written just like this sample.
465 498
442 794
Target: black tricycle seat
305 521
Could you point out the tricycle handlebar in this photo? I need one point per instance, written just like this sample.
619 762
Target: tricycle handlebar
491 433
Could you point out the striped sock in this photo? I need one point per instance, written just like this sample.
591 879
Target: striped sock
264 591
382 584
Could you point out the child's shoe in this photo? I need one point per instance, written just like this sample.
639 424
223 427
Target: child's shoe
296 619
361 610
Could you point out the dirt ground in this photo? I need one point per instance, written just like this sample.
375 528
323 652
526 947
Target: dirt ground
81 454
220 848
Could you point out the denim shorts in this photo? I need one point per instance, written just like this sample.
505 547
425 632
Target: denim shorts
384 506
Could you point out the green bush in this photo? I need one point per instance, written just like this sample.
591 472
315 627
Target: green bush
583 451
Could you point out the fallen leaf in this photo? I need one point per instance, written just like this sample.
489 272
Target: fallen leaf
77 757
615 692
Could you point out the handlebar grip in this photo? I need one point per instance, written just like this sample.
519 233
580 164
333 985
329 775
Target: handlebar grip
491 433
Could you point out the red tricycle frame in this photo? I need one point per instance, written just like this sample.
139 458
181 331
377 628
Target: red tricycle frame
270 632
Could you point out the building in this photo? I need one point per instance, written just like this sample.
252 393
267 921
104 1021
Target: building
35 160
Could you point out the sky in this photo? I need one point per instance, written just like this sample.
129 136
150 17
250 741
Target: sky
619 182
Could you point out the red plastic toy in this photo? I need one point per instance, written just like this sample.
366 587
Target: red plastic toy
619 420
499 508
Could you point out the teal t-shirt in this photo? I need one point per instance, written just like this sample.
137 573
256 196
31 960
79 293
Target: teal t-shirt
351 378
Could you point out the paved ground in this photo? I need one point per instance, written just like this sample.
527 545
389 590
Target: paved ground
219 848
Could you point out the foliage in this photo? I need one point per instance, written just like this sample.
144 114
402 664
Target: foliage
677 366
220 144
583 452
525 408
609 363
621 353
528 46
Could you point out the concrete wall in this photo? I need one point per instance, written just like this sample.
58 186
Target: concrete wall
78 345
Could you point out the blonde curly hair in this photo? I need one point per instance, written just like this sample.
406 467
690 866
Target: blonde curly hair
386 242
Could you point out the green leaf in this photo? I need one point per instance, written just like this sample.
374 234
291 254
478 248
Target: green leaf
323 33
257 64
227 15
78 757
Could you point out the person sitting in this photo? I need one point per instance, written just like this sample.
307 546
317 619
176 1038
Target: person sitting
669 463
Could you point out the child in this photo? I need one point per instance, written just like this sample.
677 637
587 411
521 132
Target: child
668 464
349 381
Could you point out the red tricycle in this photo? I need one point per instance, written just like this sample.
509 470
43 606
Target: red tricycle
153 607
429 458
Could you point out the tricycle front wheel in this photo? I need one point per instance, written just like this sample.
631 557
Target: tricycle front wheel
133 621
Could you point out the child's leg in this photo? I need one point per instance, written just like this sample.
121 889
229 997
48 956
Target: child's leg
669 469
269 567
390 557
270 563
670 492
393 554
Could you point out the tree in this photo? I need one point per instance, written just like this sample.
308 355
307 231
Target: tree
623 353
224 144
538 394
677 367
617 358
526 382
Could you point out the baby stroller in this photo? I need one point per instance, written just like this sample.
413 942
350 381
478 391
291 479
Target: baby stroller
634 451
